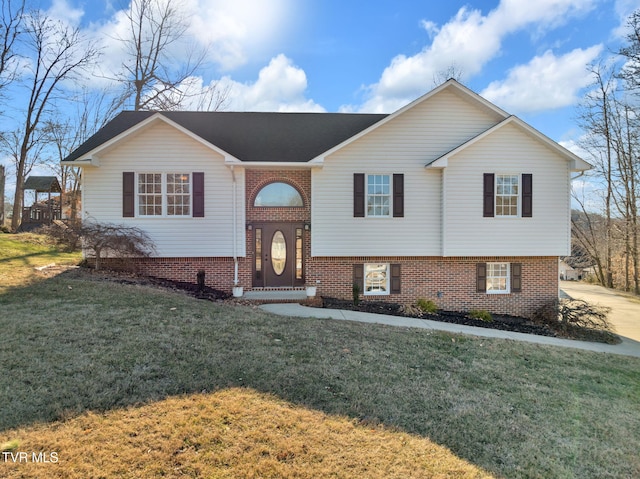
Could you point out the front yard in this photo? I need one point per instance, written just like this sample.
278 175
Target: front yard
123 380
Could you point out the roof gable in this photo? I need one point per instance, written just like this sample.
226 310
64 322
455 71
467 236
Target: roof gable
450 85
577 163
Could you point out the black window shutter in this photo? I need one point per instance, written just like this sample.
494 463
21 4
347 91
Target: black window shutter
395 279
488 195
516 277
481 277
358 276
198 195
358 195
128 194
398 195
527 195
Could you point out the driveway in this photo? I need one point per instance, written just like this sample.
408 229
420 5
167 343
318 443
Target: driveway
625 308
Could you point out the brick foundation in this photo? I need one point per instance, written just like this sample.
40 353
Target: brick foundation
450 282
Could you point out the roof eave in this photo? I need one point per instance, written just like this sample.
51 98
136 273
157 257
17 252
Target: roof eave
274 164
83 163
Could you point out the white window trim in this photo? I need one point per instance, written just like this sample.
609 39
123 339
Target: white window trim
163 193
366 195
508 279
387 276
495 195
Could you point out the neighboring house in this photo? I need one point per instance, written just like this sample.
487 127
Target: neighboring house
449 198
569 273
45 210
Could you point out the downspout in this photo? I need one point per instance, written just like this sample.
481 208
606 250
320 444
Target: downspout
235 227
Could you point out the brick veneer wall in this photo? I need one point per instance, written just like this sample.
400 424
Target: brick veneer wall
453 278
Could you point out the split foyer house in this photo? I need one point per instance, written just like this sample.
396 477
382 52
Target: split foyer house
449 198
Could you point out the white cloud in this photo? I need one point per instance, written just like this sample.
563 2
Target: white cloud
231 32
467 42
545 83
63 11
281 86
234 29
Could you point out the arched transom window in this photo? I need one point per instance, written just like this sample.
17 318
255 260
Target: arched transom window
278 194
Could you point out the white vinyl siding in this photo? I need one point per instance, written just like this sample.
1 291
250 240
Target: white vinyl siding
163 149
403 145
468 233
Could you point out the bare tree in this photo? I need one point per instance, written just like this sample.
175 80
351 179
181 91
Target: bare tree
93 111
10 30
154 74
59 53
595 118
453 71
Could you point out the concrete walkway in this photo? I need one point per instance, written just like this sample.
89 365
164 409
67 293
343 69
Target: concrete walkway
628 347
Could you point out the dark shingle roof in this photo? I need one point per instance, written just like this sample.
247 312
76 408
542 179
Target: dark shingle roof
286 137
42 184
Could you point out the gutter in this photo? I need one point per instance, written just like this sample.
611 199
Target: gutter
235 226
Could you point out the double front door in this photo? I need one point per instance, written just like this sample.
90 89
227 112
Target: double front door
278 255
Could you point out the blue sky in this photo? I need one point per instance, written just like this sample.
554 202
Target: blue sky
528 57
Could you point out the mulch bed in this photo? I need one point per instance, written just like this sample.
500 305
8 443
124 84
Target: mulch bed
502 322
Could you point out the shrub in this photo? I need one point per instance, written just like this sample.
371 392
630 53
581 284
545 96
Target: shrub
64 234
481 314
426 305
355 291
565 313
103 239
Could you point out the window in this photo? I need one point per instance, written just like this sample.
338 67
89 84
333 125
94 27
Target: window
149 194
178 194
164 194
278 194
372 195
507 195
378 195
497 278
376 278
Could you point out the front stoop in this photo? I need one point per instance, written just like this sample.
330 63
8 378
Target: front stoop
279 295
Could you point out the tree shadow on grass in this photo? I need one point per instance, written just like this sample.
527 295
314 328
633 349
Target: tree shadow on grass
71 344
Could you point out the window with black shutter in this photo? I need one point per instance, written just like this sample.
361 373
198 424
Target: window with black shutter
398 195
481 277
358 195
488 207
527 195
128 194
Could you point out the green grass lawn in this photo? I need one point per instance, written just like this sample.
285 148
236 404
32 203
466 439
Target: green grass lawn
74 343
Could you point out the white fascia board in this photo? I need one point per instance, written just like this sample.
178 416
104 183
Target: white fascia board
85 162
156 117
449 84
